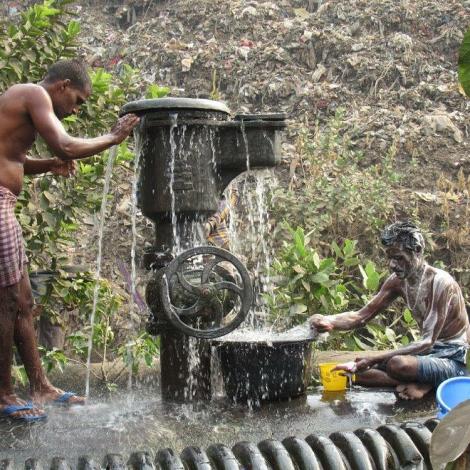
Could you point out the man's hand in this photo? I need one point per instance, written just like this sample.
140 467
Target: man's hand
349 367
365 363
124 126
63 168
321 323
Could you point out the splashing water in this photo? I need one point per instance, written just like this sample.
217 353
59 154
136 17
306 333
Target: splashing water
107 178
245 142
173 147
138 151
138 133
249 233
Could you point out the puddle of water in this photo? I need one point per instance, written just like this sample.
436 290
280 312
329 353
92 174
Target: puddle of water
140 421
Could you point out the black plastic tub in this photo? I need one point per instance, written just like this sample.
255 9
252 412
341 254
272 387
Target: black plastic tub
254 372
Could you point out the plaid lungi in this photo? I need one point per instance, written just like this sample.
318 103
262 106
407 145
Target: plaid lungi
12 251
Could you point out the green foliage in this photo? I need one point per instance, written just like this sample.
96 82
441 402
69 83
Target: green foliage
307 284
341 194
154 91
38 40
143 348
386 332
51 209
464 63
53 359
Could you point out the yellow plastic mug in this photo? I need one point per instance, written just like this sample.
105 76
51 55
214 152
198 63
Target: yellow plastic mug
333 381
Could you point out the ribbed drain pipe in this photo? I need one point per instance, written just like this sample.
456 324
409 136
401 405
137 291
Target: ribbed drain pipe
388 447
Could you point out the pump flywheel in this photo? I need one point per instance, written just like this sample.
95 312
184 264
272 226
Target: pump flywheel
206 292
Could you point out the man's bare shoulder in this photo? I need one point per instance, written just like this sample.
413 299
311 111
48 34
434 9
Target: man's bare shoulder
27 91
442 277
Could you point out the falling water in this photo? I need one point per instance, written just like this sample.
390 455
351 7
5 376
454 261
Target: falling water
137 151
194 363
109 168
250 238
245 141
173 147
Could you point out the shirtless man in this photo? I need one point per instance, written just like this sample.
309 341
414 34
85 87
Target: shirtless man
437 304
27 110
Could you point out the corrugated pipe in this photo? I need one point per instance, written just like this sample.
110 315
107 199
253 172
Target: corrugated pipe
389 447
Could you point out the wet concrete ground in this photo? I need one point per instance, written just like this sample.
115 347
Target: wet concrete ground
139 421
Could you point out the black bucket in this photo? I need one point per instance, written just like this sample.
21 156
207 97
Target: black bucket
255 372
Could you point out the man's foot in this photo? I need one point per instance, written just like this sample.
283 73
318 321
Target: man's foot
14 408
413 391
58 397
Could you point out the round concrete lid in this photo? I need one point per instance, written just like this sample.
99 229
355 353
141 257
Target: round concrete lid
173 103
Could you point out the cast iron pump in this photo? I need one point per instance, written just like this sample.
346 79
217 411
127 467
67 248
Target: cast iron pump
189 150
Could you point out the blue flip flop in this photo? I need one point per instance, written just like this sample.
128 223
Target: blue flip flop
64 398
10 410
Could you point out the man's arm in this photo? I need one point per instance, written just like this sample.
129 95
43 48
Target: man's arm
46 165
36 167
351 320
66 147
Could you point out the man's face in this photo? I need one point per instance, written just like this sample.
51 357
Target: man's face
402 262
68 99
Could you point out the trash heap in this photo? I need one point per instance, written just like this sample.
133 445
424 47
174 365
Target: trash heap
391 65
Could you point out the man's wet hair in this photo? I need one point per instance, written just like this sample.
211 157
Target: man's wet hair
406 234
73 70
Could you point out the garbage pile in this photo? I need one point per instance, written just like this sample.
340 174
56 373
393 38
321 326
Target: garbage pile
391 65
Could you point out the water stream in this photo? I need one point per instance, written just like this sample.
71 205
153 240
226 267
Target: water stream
107 179
173 146
249 232
138 140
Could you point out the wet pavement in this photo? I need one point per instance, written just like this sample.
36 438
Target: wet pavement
140 421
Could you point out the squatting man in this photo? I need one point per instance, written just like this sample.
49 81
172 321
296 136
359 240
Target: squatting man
27 110
438 306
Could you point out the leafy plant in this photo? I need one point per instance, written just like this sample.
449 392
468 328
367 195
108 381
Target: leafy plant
144 348
307 283
154 91
38 40
339 194
50 210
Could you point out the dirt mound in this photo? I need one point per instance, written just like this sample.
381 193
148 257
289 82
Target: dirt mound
391 65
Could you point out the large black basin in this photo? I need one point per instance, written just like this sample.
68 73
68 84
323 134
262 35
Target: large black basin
258 371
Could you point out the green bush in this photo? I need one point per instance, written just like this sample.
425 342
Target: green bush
307 283
50 209
339 194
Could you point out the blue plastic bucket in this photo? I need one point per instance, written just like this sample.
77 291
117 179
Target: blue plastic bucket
450 393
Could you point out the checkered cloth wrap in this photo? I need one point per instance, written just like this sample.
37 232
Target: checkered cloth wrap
12 252
219 222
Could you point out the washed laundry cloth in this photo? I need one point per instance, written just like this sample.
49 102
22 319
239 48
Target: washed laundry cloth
12 251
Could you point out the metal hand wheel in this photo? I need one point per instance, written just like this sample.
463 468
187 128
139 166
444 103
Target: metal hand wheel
206 292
